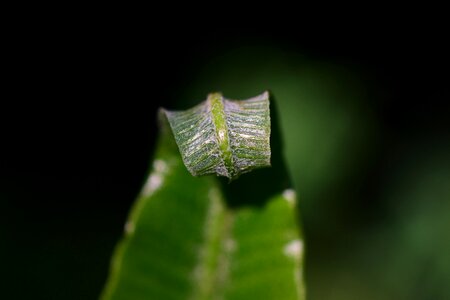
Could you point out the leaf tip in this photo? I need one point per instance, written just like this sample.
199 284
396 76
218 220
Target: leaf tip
222 136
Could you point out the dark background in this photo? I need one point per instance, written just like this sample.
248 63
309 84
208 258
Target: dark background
78 114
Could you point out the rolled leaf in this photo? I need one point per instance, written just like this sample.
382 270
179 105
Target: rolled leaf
222 136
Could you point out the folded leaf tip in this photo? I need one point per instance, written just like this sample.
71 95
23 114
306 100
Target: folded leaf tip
222 136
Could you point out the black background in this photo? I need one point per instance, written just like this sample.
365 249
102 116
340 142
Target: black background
78 113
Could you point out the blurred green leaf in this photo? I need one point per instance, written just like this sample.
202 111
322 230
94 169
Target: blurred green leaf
205 238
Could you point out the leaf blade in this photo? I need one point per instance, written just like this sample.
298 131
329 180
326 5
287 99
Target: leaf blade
186 239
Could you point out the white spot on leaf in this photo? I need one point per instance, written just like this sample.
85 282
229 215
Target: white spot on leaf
221 134
294 249
160 166
290 196
129 227
155 181
156 178
245 136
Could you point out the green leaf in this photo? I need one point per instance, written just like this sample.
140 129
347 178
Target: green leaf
205 238
223 137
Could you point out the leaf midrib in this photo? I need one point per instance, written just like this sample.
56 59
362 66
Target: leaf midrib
212 269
